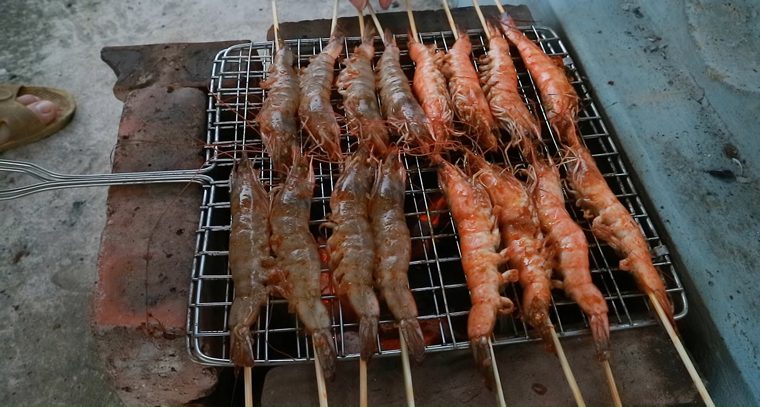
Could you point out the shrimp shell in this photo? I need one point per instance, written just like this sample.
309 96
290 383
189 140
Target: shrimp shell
402 111
315 111
478 239
250 261
352 246
429 86
468 98
298 259
393 250
356 82
277 117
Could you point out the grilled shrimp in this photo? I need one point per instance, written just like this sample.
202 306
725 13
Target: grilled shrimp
401 109
468 99
315 111
499 79
478 239
352 247
557 94
522 238
298 259
277 118
567 251
429 86
393 250
612 223
356 82
249 257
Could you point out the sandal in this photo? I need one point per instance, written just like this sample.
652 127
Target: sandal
24 125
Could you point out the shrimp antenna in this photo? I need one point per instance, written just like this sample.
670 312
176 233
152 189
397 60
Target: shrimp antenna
275 25
412 23
451 19
481 18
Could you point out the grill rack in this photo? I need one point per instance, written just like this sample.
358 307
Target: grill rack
435 273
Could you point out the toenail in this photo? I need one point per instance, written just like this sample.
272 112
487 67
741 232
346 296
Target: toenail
43 107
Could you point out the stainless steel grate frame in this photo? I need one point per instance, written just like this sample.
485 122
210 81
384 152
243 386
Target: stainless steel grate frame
435 272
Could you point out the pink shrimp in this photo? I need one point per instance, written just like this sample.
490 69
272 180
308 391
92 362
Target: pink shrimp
315 111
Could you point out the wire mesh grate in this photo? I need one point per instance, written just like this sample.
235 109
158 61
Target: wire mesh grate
435 272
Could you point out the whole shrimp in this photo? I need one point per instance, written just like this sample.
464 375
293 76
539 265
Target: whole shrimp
499 79
298 259
393 249
557 94
611 222
478 231
468 99
356 82
567 251
521 236
250 261
429 86
402 111
315 111
352 247
277 117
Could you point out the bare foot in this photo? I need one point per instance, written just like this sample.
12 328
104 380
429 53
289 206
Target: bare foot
45 110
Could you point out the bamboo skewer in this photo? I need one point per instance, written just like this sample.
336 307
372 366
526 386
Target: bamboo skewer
566 369
248 383
321 387
375 20
334 22
275 25
499 6
451 19
362 383
496 377
412 23
611 382
481 18
682 352
409 389
361 22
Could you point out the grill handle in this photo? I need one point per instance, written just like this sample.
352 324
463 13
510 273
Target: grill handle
50 180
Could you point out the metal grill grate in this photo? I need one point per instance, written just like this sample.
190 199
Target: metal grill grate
435 273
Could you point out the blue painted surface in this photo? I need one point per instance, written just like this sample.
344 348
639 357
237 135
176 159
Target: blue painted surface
679 83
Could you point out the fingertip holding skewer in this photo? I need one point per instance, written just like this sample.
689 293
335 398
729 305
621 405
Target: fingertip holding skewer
681 351
496 377
248 386
450 18
408 388
321 387
481 18
412 23
362 382
611 383
566 369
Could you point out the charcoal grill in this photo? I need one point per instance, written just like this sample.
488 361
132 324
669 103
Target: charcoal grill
435 273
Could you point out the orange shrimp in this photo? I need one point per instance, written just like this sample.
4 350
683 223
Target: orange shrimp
429 86
356 82
478 239
467 96
352 246
249 257
298 259
521 236
402 111
315 111
557 94
393 249
567 251
612 223
277 117
499 79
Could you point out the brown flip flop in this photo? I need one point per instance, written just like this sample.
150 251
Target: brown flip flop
24 125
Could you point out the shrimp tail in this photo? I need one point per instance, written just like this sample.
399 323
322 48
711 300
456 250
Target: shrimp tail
368 335
600 330
410 329
241 341
388 37
325 351
369 35
481 350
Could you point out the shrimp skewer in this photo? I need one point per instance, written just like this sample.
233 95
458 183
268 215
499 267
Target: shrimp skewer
249 259
521 236
352 247
315 111
277 118
478 232
356 82
298 259
393 250
610 220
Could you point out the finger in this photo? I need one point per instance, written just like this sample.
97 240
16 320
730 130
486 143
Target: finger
359 4
384 4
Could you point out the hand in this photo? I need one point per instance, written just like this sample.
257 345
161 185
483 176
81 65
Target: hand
361 4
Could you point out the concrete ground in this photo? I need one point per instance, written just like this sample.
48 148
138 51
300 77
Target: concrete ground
683 100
